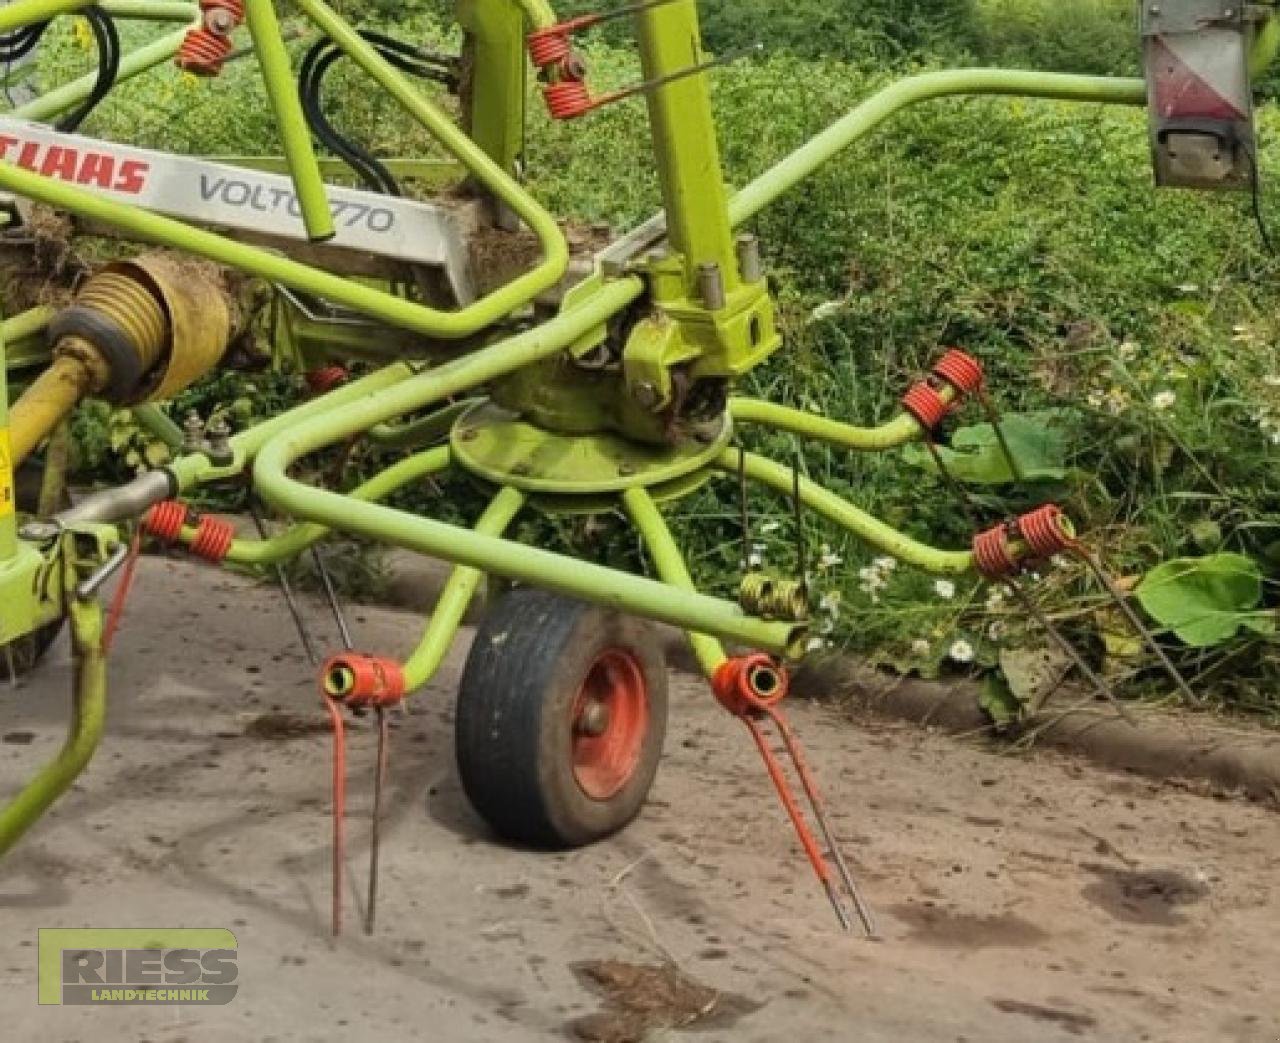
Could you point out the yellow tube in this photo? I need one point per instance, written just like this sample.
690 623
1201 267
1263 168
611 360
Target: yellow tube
44 405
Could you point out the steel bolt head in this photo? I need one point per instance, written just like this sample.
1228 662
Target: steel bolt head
40 531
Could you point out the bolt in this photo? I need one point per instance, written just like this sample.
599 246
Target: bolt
711 286
40 531
593 719
192 432
749 258
647 395
219 432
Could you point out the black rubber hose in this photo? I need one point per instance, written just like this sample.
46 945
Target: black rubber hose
107 39
372 171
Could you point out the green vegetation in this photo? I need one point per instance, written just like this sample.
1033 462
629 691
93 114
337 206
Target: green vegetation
1131 334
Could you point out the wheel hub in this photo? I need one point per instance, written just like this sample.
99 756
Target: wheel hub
610 723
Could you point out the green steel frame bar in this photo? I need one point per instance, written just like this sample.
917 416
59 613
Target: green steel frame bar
899 431
801 164
867 528
26 12
8 517
84 731
149 11
424 431
451 606
670 566
295 135
297 538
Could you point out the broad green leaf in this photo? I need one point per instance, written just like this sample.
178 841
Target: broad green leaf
999 701
1206 601
975 454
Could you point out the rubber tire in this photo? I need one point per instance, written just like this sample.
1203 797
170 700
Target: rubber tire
28 650
513 732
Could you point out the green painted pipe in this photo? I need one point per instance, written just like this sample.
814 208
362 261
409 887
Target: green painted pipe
859 522
26 12
87 718
671 568
69 95
451 607
27 324
295 136
555 249
294 540
155 421
151 10
188 471
493 555
900 430
1266 42
423 431
798 166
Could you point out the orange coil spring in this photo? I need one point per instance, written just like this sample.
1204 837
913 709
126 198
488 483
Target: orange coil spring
203 53
569 99
322 381
1046 532
165 520
213 539
549 47
961 370
926 404
992 553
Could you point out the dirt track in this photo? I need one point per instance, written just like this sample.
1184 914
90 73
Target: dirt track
1019 899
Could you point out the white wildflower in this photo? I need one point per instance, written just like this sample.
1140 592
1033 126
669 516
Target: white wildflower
830 603
920 647
756 560
961 651
770 526
1128 351
826 310
816 644
1164 400
885 564
945 589
828 559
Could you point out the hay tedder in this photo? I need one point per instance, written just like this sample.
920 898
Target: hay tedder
468 330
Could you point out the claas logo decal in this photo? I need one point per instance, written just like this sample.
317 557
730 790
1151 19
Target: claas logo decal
77 165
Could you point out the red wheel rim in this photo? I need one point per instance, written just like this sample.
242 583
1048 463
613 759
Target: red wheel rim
610 722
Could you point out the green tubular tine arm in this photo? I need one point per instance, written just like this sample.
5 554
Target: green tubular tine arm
59 100
798 166
297 538
155 421
27 324
424 431
188 471
840 511
900 430
671 567
149 11
295 135
26 12
85 730
457 594
539 12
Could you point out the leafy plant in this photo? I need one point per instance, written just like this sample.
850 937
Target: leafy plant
1206 601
